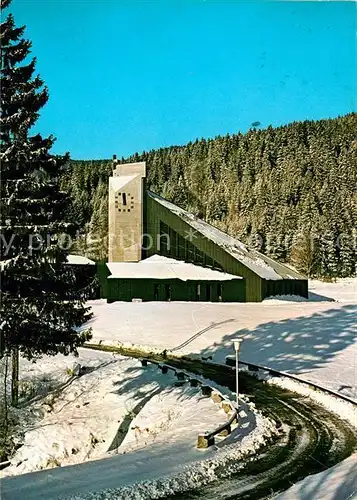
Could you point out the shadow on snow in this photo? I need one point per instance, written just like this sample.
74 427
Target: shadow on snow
294 345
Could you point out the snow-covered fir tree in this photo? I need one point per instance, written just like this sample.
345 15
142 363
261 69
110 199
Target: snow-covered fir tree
42 299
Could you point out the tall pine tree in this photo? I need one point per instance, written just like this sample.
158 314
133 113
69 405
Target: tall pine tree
42 300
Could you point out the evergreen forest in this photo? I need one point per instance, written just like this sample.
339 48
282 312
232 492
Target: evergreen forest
290 191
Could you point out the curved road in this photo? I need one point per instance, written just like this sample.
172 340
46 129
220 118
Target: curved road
308 448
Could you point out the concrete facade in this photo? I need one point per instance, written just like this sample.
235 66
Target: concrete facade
126 206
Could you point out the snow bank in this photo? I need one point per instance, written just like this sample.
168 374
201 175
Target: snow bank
337 483
343 409
276 299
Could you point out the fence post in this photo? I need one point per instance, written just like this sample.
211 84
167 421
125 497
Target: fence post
217 398
226 406
226 431
204 440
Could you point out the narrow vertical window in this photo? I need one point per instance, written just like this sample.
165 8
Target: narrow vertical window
124 198
219 292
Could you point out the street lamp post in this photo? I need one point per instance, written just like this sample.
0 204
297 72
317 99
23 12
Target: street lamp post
237 343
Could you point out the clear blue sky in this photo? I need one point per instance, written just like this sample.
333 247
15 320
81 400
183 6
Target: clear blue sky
127 76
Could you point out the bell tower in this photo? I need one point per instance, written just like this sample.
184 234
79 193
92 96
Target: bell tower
126 211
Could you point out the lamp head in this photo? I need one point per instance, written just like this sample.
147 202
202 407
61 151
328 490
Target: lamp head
237 343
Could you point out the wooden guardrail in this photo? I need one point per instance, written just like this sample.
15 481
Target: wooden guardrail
205 439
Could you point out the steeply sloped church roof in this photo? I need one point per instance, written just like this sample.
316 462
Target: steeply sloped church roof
257 262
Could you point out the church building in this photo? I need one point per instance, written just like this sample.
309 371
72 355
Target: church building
159 251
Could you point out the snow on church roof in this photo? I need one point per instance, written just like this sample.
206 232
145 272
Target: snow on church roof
159 267
260 264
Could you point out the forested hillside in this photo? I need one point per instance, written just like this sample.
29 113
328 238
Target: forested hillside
289 191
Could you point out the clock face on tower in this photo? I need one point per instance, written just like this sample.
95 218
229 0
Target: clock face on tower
124 202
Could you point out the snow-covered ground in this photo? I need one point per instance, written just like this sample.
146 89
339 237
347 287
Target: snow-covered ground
150 472
337 483
89 414
315 339
114 406
89 417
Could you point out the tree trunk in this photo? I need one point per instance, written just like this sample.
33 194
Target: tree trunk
15 377
2 341
5 422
